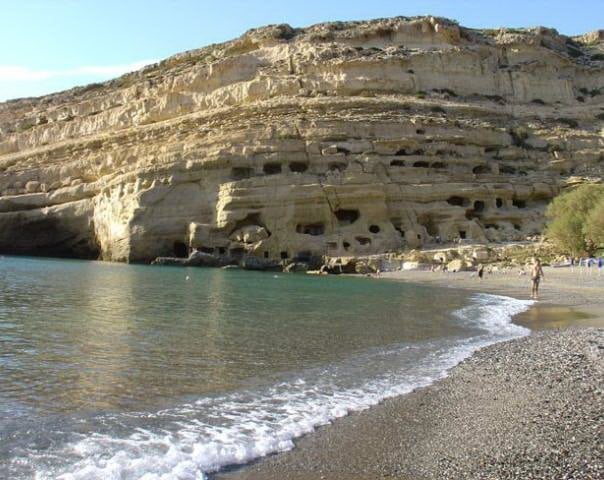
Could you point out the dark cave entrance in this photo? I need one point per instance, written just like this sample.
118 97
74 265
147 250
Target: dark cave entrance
180 250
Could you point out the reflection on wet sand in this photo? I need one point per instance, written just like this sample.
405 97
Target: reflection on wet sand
544 316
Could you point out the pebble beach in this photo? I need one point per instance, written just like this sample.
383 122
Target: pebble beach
530 408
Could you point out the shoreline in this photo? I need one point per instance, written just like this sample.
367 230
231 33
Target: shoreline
567 297
524 408
400 438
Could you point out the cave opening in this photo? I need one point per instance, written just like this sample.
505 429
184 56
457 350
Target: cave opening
499 202
427 221
347 216
314 229
298 167
458 201
363 240
241 173
337 166
346 245
519 203
237 252
208 250
397 163
180 250
507 169
421 164
252 218
397 224
479 206
440 165
272 168
462 234
374 229
284 255
304 256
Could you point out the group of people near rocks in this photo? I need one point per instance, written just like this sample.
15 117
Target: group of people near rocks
587 265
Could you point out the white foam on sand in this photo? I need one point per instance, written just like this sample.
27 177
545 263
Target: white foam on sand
191 440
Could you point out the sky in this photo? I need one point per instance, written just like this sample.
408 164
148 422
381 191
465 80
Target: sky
52 45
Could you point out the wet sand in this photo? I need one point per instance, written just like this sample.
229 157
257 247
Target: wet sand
567 297
529 408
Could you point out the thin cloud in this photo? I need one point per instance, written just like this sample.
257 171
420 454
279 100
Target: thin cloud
18 73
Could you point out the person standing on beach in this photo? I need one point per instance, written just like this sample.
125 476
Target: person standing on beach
480 271
536 276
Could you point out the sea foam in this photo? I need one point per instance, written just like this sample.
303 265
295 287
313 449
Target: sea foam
191 440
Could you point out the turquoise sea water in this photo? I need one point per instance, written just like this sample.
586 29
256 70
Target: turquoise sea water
139 372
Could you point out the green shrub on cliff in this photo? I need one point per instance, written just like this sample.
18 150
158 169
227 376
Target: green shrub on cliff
576 220
595 223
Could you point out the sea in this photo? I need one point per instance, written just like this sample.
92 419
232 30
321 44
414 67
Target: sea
113 371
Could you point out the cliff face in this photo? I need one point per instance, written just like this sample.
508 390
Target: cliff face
338 139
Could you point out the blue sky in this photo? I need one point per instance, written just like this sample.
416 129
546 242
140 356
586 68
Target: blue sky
51 45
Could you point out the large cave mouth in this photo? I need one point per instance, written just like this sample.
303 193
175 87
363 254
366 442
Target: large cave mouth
347 216
252 218
180 249
49 237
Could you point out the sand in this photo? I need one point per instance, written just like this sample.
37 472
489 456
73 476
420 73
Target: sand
575 292
525 409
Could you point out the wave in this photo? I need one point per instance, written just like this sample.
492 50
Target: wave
191 440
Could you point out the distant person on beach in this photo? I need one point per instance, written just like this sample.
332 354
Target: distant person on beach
600 266
480 271
536 276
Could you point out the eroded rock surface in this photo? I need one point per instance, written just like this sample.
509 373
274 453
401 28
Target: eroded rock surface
339 139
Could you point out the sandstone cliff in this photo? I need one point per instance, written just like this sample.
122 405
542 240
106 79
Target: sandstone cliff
339 139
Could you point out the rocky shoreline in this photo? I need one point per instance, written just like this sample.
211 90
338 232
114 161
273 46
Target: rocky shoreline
448 257
529 408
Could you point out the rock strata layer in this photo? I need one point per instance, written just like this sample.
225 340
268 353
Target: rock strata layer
341 139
